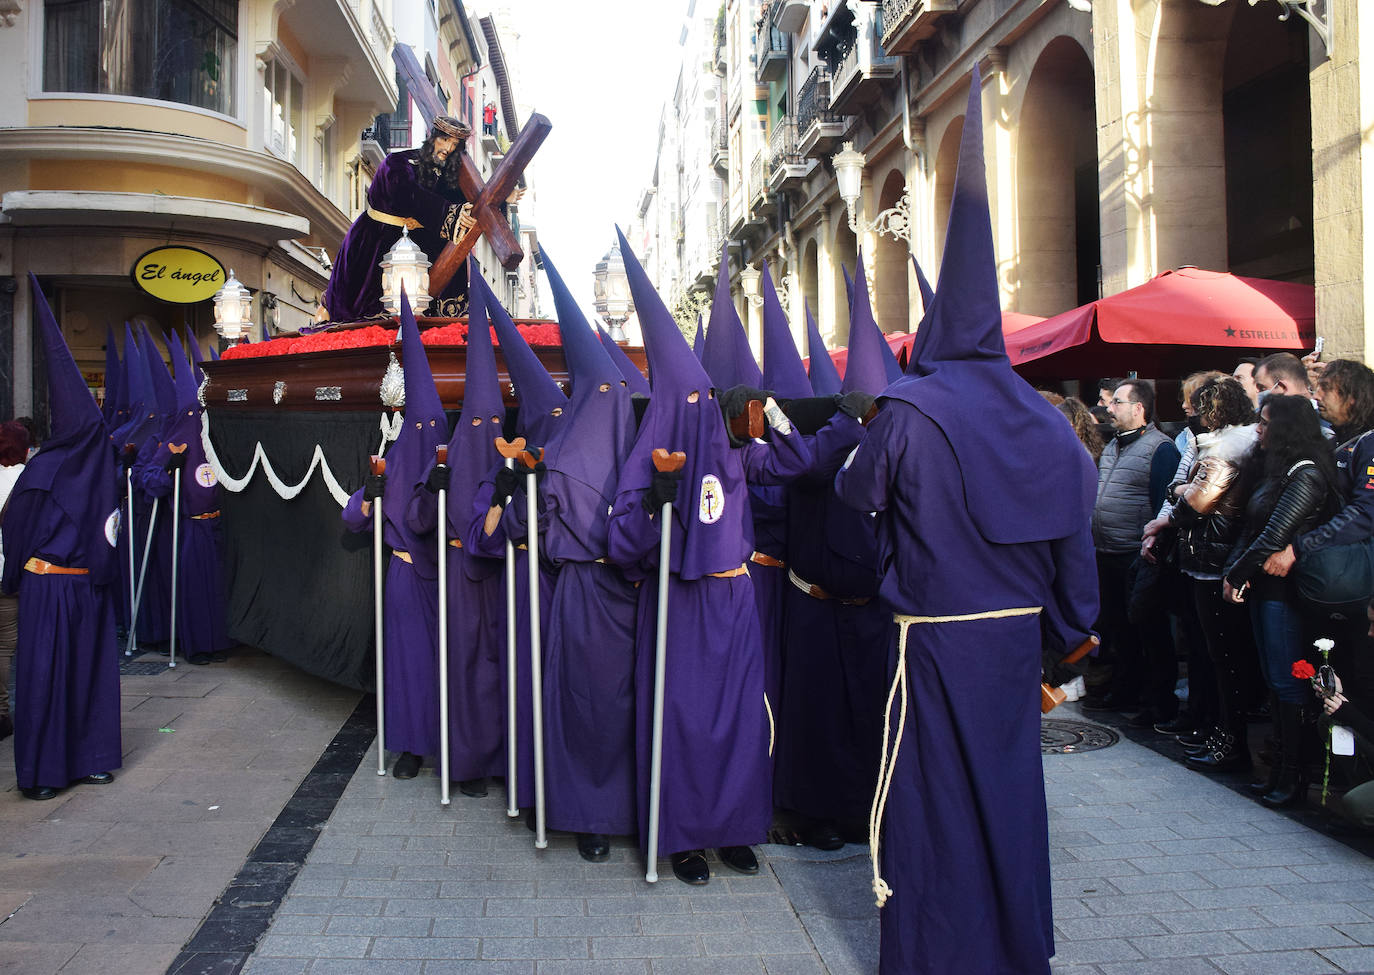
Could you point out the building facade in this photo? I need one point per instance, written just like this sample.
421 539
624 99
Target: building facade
1121 140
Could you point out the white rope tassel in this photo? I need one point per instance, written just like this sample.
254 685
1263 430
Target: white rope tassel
887 767
772 728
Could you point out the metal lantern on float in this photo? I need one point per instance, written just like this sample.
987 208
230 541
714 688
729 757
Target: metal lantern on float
405 266
612 292
233 310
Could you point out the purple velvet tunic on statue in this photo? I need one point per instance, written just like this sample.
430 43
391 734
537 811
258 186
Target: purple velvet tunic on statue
355 284
830 712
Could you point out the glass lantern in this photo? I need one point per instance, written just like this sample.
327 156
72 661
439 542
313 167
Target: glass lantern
405 266
233 310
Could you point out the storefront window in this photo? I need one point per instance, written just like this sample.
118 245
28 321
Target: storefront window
171 50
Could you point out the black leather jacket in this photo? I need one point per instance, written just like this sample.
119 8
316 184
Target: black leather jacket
1281 508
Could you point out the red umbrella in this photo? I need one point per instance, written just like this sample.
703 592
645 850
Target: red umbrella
1177 322
901 341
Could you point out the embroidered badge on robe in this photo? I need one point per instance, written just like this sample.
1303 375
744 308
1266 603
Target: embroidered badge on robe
712 503
205 476
112 528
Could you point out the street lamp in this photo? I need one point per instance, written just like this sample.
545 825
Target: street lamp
612 292
405 266
749 279
849 171
233 310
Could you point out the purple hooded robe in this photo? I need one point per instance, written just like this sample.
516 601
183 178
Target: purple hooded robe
965 849
63 511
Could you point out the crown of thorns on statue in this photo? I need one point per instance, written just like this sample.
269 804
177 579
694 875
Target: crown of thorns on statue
448 125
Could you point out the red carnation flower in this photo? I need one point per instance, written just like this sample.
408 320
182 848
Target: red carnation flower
1303 670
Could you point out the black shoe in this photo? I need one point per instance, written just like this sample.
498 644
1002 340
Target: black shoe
739 858
1182 724
219 656
199 659
1196 739
690 867
822 834
6 727
1290 789
596 847
407 766
96 778
40 792
476 788
1227 755
1145 719
1109 702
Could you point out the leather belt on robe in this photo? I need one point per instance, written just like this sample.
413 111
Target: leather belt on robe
205 517
816 592
456 542
42 568
759 558
743 570
410 223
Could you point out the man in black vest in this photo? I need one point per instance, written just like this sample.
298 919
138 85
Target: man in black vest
1134 472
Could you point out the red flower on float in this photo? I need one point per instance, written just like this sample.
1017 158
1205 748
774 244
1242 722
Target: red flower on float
538 335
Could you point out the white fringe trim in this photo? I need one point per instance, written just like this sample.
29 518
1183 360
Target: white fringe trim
390 430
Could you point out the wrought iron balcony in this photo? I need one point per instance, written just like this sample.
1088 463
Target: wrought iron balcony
720 145
789 15
786 165
770 54
819 128
859 68
761 201
905 23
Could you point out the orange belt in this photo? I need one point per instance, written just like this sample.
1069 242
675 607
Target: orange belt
456 542
743 570
208 515
38 567
403 556
816 592
758 558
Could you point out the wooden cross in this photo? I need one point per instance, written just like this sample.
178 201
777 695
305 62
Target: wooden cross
486 202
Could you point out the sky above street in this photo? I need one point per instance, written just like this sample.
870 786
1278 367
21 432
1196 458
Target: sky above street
601 71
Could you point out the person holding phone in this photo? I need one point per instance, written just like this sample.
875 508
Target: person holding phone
1294 494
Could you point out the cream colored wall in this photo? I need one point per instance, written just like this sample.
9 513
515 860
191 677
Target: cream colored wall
156 117
64 174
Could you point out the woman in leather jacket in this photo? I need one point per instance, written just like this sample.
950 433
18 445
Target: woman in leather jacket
1210 516
1294 495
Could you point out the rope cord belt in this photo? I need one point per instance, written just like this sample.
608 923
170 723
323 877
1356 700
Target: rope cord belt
41 568
456 542
403 556
887 765
410 223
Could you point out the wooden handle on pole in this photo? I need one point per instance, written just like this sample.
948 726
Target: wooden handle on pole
177 448
510 449
666 462
441 454
749 425
377 465
1082 650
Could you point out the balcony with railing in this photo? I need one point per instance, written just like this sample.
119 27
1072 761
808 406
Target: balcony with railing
859 68
720 145
352 35
786 165
819 128
905 23
761 201
770 54
789 15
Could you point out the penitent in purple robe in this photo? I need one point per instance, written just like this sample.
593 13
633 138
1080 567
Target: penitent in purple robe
716 786
979 568
355 284
62 510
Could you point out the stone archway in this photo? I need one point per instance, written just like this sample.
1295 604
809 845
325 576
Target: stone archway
846 255
1057 207
810 278
946 167
891 265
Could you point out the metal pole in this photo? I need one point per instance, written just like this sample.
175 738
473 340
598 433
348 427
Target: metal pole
443 638
176 526
664 462
512 725
142 573
378 467
541 840
129 533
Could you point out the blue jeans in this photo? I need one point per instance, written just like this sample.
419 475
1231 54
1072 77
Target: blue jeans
1278 635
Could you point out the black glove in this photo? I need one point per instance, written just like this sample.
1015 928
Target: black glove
539 471
127 458
373 486
175 462
503 486
855 403
734 400
662 489
439 478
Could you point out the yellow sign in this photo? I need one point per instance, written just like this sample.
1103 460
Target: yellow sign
180 275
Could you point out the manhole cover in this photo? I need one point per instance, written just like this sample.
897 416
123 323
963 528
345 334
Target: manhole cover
141 668
1058 737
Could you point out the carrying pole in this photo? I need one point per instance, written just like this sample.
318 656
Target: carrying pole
378 467
541 840
176 559
441 460
663 461
510 450
142 574
129 533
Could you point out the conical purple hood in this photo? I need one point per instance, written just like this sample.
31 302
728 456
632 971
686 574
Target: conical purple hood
584 455
713 479
699 339
199 490
472 448
410 459
726 354
164 391
783 371
959 360
113 375
75 465
849 283
927 292
143 419
214 352
538 394
866 369
825 378
628 370
196 357
184 379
